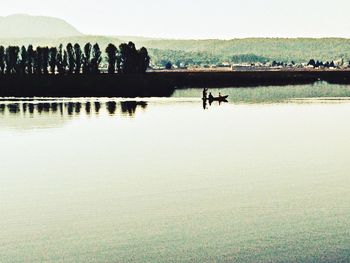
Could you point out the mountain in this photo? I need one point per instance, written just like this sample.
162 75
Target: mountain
26 26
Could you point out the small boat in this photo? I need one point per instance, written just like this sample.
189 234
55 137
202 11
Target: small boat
220 98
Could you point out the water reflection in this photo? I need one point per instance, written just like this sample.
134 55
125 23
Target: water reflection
88 107
53 113
77 107
97 106
128 108
208 103
111 107
70 108
31 108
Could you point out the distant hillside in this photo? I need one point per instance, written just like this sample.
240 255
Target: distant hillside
25 26
280 49
46 31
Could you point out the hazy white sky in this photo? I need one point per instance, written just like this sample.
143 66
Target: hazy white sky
196 18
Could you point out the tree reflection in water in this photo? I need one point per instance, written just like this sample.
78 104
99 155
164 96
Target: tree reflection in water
70 108
97 106
13 108
77 107
24 107
54 107
88 107
129 107
31 108
111 107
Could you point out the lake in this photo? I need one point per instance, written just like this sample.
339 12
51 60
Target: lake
262 178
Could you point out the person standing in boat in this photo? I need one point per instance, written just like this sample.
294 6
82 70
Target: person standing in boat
205 91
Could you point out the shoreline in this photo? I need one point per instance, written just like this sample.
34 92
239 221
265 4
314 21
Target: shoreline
156 84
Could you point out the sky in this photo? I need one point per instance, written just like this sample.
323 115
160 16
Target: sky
195 19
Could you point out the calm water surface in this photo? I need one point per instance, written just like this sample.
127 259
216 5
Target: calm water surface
263 178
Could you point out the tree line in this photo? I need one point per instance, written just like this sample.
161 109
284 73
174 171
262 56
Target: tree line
73 59
317 64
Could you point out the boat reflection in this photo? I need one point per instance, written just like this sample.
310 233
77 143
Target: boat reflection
207 102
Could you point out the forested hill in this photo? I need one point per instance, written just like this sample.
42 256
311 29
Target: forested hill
257 49
199 52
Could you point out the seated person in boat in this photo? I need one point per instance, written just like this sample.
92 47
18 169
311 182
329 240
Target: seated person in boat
211 96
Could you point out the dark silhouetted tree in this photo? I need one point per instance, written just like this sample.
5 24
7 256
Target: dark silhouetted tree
111 51
312 63
124 57
96 59
24 60
37 60
7 60
53 54
71 58
128 58
65 61
318 64
2 59
119 61
30 59
87 58
168 65
144 60
77 58
11 59
45 60
59 60
132 60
